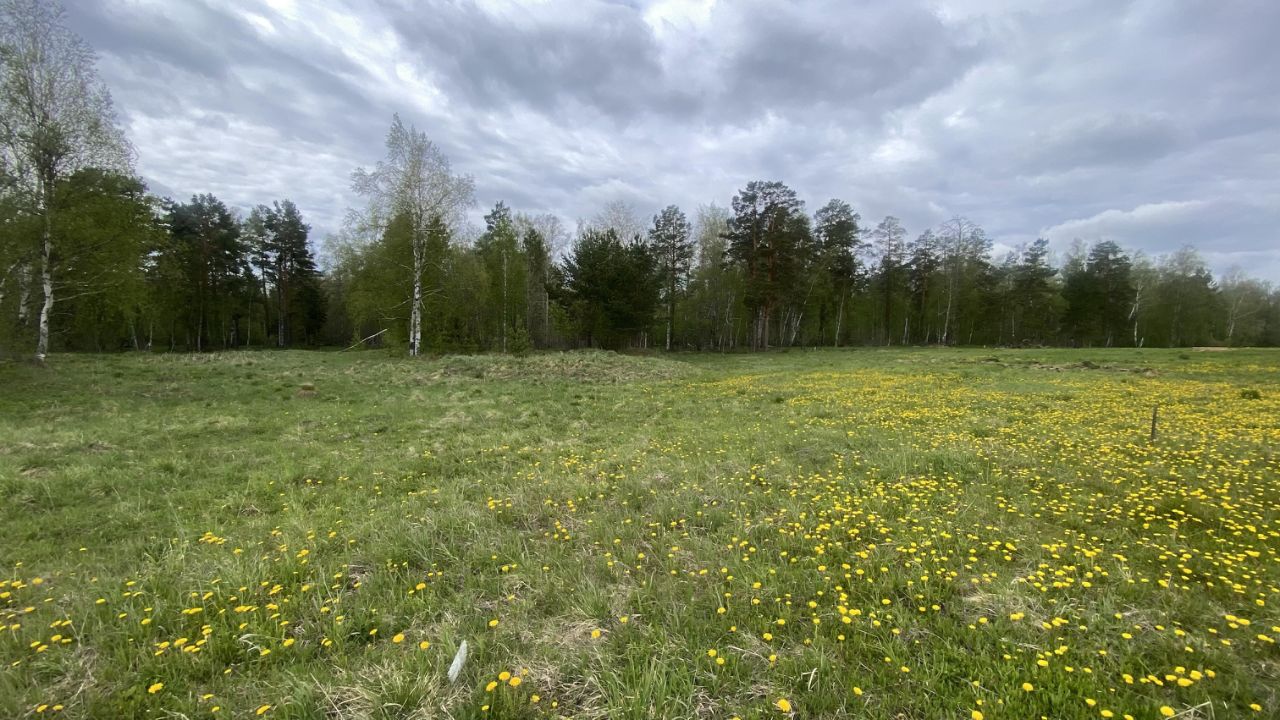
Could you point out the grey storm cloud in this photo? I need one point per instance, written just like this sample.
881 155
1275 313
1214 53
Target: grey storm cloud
1152 123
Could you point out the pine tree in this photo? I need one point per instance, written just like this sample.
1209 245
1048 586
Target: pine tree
763 233
669 238
290 266
837 237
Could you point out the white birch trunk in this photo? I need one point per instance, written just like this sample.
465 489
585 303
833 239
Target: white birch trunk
46 308
415 312
24 294
839 321
946 321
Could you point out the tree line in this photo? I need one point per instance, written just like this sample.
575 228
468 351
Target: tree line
89 260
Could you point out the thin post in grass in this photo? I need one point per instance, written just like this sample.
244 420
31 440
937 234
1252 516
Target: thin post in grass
1155 416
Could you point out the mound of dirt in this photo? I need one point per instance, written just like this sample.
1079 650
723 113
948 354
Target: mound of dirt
580 365
1089 365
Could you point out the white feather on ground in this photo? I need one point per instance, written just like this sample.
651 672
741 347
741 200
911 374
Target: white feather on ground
458 660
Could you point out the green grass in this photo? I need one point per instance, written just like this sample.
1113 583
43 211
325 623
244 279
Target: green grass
933 527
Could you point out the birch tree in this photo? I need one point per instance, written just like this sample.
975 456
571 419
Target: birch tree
56 118
619 216
416 182
963 245
1245 302
715 290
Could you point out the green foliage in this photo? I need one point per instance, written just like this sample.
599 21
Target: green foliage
611 288
376 284
104 224
208 251
1100 293
1035 302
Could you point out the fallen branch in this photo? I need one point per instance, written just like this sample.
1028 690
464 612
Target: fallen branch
365 340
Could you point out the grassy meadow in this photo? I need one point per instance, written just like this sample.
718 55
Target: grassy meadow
888 534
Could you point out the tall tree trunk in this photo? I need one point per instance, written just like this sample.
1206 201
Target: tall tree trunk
888 304
839 318
4 278
282 325
24 294
766 327
796 319
1133 313
415 311
46 265
46 283
248 331
266 308
1233 314
504 301
946 322
199 324
671 307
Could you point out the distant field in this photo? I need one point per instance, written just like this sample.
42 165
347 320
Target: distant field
862 533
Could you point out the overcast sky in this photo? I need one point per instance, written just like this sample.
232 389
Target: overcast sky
1153 123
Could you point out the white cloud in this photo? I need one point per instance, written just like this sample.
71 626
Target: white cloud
1127 225
1068 119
